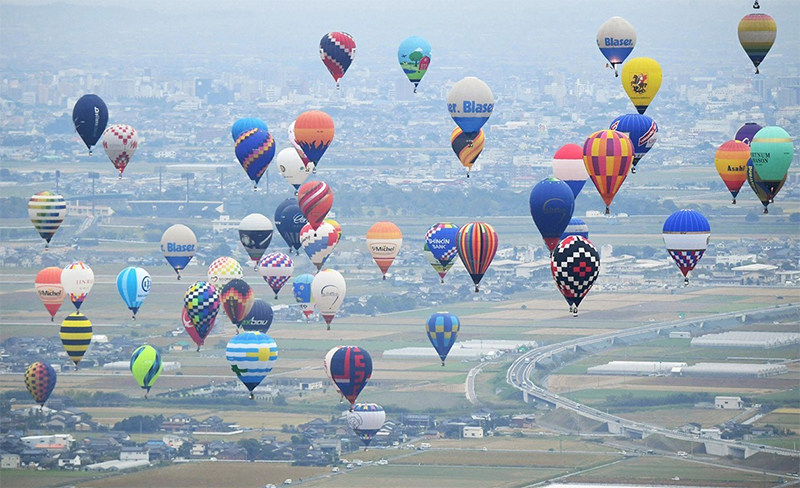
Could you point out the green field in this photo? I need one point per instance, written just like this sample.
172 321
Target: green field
19 478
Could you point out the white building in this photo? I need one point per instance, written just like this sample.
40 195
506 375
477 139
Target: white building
765 340
635 368
680 334
134 454
9 461
728 403
472 432
65 441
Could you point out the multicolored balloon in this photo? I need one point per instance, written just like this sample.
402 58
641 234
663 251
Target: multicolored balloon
757 34
133 285
189 326
366 419
77 279
760 189
40 380
747 132
178 244
76 336
642 131
255 149
771 151
255 233
289 221
315 199
222 270
50 290
260 317
201 302
552 205
574 264
328 290
441 241
276 268
90 116
336 226
384 241
337 50
46 211
246 124
313 133
607 156
467 147
146 366
731 162
477 244
470 103
576 227
686 234
414 56
293 140
120 142
237 300
350 368
292 167
641 79
320 243
301 286
616 38
568 167
252 355
442 329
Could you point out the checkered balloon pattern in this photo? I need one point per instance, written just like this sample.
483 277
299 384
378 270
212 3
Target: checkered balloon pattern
575 264
40 379
276 268
202 305
686 260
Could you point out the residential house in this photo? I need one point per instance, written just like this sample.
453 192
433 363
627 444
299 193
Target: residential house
134 453
9 461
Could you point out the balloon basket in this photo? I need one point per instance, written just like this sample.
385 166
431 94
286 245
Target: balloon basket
384 277
329 328
686 282
443 364
608 211
90 152
52 319
476 289
255 188
766 210
442 280
133 317
198 348
252 397
734 201
633 170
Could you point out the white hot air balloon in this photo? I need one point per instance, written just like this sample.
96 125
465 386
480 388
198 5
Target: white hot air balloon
616 38
178 244
120 142
255 234
77 280
328 291
293 168
470 103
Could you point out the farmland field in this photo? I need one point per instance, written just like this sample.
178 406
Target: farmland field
15 478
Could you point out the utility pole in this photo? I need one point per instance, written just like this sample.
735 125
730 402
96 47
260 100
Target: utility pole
160 171
189 177
221 171
93 177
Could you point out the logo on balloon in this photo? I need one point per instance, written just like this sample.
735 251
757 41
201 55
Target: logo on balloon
639 83
300 219
146 284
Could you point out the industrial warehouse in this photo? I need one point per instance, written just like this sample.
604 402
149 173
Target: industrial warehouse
659 368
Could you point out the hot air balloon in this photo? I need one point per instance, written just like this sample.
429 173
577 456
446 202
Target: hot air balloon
337 50
414 56
255 149
76 335
289 221
320 243
616 38
255 233
686 234
759 188
328 290
552 204
350 368
607 155
326 364
133 285
641 79
237 300
576 227
575 264
293 140
77 279
252 355
46 211
146 366
315 199
467 147
771 152
120 142
222 270
336 226
90 117
50 290
193 333
642 131
313 133
201 302
40 380
441 241
747 132
292 167
260 317
442 329
757 34
178 244
568 167
276 268
301 286
246 124
384 240
366 419
470 103
477 245
731 162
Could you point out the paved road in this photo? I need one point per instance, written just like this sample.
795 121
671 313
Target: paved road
469 390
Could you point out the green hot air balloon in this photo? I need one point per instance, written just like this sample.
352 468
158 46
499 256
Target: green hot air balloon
771 152
146 366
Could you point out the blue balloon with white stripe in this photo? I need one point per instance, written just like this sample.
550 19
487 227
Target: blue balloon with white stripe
252 355
576 227
442 329
642 130
133 285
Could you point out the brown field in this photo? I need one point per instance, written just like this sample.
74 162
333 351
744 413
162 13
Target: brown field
208 475
564 383
542 443
517 459
441 387
568 331
675 417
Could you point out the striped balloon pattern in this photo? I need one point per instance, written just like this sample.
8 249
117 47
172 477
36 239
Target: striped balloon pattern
202 306
133 285
608 156
320 243
255 149
337 50
764 192
76 335
50 290
576 227
237 300
313 134
442 329
350 368
467 151
441 242
757 34
276 268
477 245
120 142
568 167
731 162
40 379
315 199
46 211
146 366
686 234
251 355
384 241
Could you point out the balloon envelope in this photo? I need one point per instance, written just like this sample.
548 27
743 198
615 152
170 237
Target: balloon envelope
251 355
568 167
301 286
477 244
289 221
771 151
551 204
384 240
255 149
467 146
315 199
616 38
178 244
642 131
328 290
237 300
46 211
641 79
50 290
260 317
202 302
762 191
608 156
133 285
222 270
255 233
686 234
337 50
120 142
747 132
77 279
442 329
246 124
292 167
441 241
574 264
76 336
276 268
320 243
313 133
40 380
351 368
146 366
731 163
366 419
414 56
576 227
470 103
90 116
757 34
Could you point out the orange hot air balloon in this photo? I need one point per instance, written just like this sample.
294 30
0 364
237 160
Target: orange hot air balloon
731 162
608 156
313 132
384 240
49 289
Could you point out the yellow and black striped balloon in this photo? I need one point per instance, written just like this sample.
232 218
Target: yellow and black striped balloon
76 335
